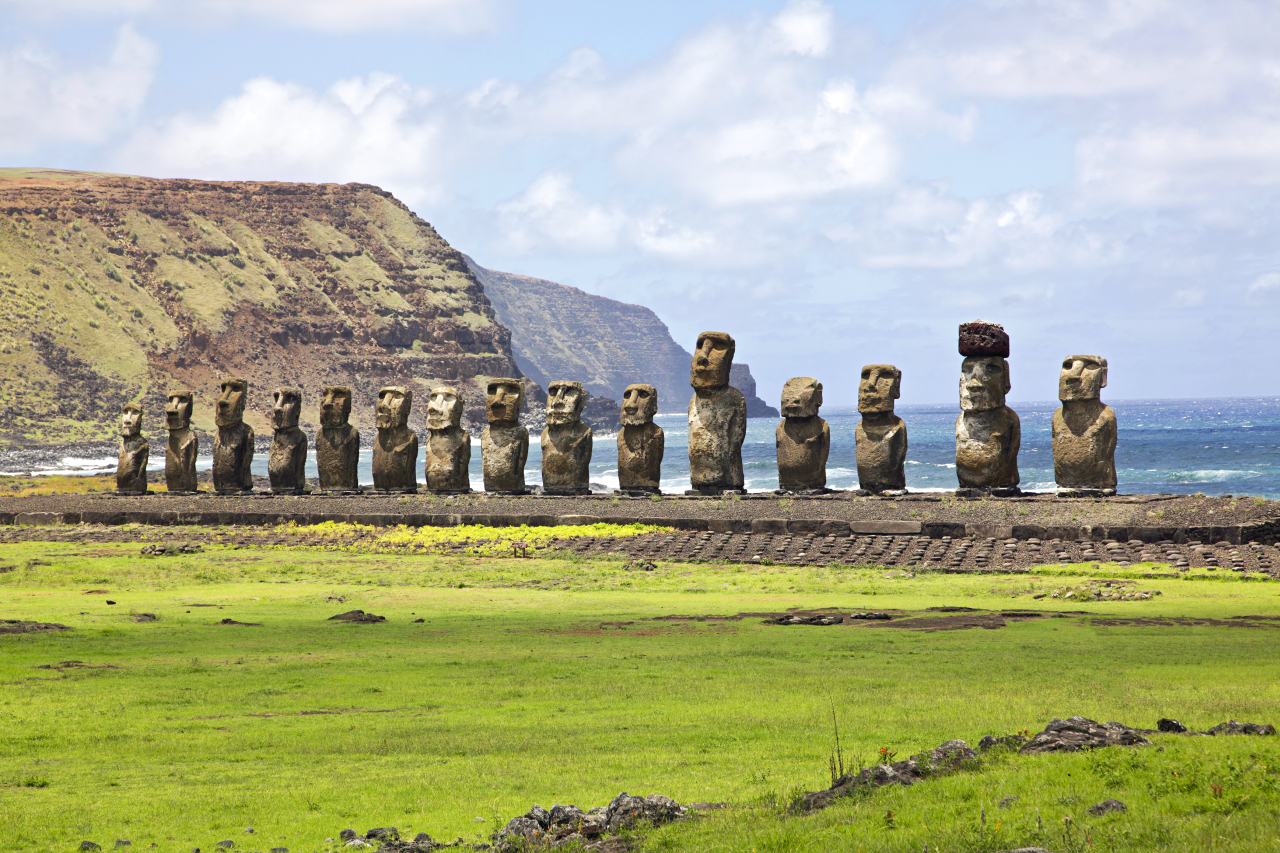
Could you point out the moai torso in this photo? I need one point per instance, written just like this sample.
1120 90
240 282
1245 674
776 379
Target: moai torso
131 466
395 450
641 442
287 463
802 439
337 442
504 444
717 417
1084 428
233 443
182 447
881 435
448 444
988 433
566 440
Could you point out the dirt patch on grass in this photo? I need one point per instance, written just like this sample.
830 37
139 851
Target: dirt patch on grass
21 626
954 622
1185 621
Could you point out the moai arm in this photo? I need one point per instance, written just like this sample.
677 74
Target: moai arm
825 446
246 471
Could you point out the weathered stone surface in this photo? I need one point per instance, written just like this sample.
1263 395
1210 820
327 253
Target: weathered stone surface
1076 733
1107 806
881 436
233 443
566 441
504 444
131 466
983 339
641 442
395 450
287 462
988 433
1234 727
1171 726
338 442
448 462
803 439
1084 428
183 446
717 417
628 812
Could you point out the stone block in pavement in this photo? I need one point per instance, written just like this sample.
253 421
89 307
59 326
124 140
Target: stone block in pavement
886 528
769 525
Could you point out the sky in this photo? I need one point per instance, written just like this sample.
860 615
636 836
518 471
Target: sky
834 184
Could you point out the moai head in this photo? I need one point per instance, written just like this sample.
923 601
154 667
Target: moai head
130 420
1082 378
177 410
231 398
503 402
801 397
639 405
712 361
984 380
286 408
335 406
444 409
565 400
394 402
881 384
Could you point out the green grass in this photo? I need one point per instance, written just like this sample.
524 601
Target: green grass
551 680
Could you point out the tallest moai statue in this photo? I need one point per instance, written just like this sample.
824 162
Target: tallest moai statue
988 433
717 418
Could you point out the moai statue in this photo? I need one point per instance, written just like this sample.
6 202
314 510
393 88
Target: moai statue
803 439
287 464
183 446
717 419
640 442
988 433
448 467
881 436
1084 430
131 468
566 441
504 444
395 451
233 443
337 443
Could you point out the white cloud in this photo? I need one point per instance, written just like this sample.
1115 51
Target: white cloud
1265 289
552 211
804 27
46 101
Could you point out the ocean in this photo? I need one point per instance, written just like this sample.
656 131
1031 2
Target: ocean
1216 446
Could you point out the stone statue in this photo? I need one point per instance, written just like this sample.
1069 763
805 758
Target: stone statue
395 451
803 439
448 467
988 433
717 419
504 444
1084 430
233 443
881 436
338 442
287 464
640 442
183 445
566 441
131 468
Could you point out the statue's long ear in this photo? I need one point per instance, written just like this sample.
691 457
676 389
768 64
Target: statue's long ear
1104 376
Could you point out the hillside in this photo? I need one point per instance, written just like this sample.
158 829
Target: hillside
561 332
116 288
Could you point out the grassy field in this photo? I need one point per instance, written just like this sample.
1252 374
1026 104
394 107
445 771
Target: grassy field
559 680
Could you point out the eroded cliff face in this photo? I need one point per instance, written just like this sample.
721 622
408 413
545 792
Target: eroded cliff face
117 288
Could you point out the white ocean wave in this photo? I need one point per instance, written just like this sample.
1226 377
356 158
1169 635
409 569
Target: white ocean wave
1209 476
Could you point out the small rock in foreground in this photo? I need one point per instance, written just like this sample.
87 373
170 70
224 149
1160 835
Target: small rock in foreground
357 616
1107 806
1234 727
1076 733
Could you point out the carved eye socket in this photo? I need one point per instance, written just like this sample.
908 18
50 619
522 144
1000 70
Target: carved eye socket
1068 364
642 394
866 374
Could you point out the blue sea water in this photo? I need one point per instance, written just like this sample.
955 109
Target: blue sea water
1215 446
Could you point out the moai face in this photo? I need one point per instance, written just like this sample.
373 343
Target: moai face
231 399
639 405
503 402
445 409
130 420
984 380
801 397
335 406
286 408
177 411
881 384
394 402
711 361
1082 378
565 400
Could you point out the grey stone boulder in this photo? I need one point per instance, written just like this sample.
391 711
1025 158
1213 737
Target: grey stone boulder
566 815
539 814
990 742
626 811
1076 733
1234 727
522 827
383 833
347 834
1171 726
89 845
946 755
1107 806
